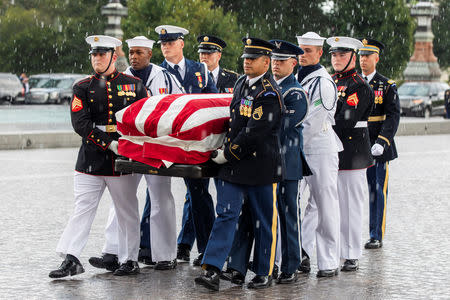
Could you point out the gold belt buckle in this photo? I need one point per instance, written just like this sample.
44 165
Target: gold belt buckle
111 128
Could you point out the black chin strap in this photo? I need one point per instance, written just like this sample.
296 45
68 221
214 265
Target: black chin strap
110 61
351 56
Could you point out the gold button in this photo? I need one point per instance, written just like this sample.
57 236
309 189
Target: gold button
228 139
92 100
108 83
110 112
110 120
336 81
231 119
98 140
232 110
103 144
87 142
349 137
110 105
109 90
92 136
229 129
110 96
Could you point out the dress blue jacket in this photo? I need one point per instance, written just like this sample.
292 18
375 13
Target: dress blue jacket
291 137
196 79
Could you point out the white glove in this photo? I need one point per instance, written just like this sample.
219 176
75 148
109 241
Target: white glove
220 158
377 149
114 147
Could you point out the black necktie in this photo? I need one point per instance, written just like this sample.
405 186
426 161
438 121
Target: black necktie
366 79
245 89
212 76
177 73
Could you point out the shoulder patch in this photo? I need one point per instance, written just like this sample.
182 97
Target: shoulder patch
270 94
77 104
390 81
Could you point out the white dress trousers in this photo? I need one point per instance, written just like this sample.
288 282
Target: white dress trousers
351 185
320 223
163 234
88 190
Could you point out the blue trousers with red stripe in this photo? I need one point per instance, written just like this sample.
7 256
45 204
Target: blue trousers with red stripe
377 178
257 223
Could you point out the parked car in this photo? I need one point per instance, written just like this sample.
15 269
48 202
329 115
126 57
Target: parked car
422 99
11 89
52 88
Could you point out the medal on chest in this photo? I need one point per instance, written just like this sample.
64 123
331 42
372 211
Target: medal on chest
128 90
341 90
245 109
199 79
379 95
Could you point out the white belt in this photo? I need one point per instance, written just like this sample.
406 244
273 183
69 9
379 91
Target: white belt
361 124
101 127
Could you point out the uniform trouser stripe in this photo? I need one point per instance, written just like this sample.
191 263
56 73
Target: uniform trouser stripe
274 228
386 178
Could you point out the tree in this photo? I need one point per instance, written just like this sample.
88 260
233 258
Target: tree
387 21
441 42
198 16
38 36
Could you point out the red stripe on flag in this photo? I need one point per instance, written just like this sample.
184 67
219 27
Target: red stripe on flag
134 151
128 126
195 105
151 124
198 133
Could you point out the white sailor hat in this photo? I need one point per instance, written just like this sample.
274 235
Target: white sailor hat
140 41
170 33
343 44
310 39
102 43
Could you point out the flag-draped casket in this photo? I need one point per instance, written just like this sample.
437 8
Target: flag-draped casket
166 129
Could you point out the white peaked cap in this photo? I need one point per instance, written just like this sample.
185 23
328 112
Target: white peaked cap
164 29
103 41
140 41
344 42
310 39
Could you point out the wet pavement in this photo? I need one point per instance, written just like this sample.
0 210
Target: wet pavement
37 200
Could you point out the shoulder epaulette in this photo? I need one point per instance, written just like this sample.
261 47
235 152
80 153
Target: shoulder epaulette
232 72
390 81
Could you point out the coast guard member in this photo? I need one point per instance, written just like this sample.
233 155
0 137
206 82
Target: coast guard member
163 231
251 165
320 223
353 109
284 60
198 211
94 103
383 123
210 52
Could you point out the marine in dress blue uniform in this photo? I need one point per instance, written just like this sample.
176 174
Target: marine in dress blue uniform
382 123
355 101
198 211
284 59
251 166
96 99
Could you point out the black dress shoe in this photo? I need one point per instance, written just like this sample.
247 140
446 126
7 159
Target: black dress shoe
210 279
226 275
183 252
166 265
373 244
275 272
198 261
128 268
260 282
145 257
70 266
350 265
287 278
107 261
237 277
327 273
305 265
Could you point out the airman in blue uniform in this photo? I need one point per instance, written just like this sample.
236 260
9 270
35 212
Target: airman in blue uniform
251 165
284 60
198 211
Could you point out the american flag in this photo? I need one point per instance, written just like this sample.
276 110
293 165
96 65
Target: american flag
180 128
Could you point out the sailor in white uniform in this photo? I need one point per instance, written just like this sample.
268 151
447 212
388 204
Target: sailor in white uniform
321 146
